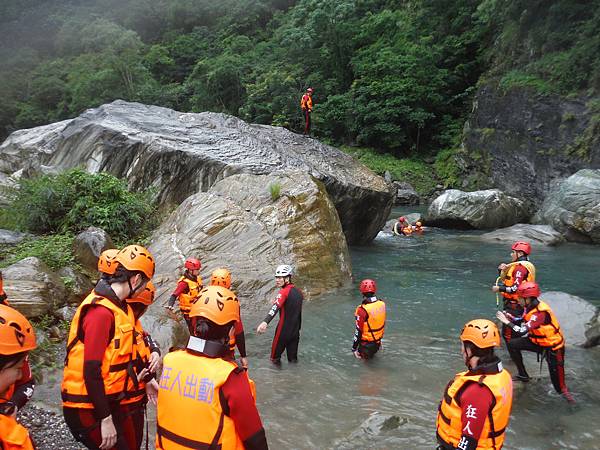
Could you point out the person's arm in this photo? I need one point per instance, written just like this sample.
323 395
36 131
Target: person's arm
520 274
239 405
475 402
279 302
152 345
24 387
240 338
181 288
97 325
361 316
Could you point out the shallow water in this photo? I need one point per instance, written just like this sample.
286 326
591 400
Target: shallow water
432 284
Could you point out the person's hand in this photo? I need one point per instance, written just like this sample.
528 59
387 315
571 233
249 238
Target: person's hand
496 288
262 327
356 354
244 361
108 433
502 266
154 362
502 318
142 374
152 391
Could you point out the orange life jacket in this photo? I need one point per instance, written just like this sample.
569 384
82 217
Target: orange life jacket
449 422
374 326
189 396
549 334
117 364
306 102
141 356
186 299
14 436
509 279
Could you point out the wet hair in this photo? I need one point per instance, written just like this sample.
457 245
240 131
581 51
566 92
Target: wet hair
205 329
122 274
485 355
7 361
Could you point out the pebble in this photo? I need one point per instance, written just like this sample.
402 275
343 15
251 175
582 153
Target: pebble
47 429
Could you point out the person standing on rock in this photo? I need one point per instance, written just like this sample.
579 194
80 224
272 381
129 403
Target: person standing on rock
222 277
205 401
511 276
100 390
475 408
288 304
306 104
370 322
17 339
187 289
544 337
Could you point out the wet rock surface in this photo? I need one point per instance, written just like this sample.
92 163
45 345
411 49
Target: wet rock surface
573 314
88 245
535 234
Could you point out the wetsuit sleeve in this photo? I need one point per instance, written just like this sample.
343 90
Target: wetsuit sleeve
536 321
475 402
97 325
24 387
520 274
279 302
3 298
239 405
152 345
240 338
360 317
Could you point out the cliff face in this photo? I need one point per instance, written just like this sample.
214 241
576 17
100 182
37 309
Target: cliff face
521 141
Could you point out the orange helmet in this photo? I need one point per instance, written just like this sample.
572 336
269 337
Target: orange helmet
418 223
146 296
16 333
136 258
525 247
217 304
221 277
481 332
367 287
528 289
192 264
106 262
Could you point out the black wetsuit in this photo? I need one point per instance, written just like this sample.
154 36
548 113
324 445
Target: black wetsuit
287 336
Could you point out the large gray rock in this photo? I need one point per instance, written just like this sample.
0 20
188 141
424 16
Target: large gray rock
9 237
573 313
480 209
237 225
573 207
89 244
592 332
406 194
538 234
78 285
33 288
180 154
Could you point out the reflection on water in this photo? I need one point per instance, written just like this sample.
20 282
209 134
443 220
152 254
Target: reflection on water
433 284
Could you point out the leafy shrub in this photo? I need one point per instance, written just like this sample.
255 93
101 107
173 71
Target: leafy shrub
75 200
55 250
447 168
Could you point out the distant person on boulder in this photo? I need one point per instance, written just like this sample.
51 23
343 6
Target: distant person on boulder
402 227
475 408
222 277
288 304
511 275
187 289
370 318
306 104
17 339
544 337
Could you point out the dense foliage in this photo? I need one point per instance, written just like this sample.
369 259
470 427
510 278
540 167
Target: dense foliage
396 76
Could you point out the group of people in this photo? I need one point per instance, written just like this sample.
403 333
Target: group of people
402 227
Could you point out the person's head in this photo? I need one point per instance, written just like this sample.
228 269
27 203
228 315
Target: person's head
367 288
528 292
106 263
309 91
418 224
140 302
520 249
214 314
17 339
402 219
135 267
479 337
192 266
283 275
221 277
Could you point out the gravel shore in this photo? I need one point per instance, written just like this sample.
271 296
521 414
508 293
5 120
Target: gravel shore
48 429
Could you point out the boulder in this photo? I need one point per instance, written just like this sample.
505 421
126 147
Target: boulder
180 154
372 430
573 313
33 288
77 284
535 234
592 332
573 207
406 194
88 245
480 209
238 225
9 237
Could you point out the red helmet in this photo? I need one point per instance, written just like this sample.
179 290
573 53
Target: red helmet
401 219
528 289
192 264
523 246
367 287
309 89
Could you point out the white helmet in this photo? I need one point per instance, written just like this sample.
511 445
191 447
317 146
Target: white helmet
283 270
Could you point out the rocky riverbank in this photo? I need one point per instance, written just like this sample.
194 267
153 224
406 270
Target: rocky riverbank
47 428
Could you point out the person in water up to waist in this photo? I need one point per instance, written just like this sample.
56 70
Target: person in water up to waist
289 306
187 289
544 336
370 322
222 277
205 401
475 408
402 227
511 275
17 339
103 401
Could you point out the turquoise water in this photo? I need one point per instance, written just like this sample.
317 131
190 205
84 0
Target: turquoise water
432 284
